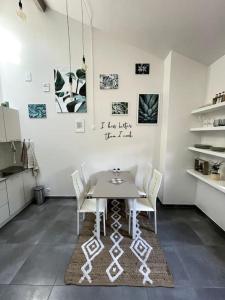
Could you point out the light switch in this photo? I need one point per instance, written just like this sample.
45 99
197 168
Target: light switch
28 77
46 87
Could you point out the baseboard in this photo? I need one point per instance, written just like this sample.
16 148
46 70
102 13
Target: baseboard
60 197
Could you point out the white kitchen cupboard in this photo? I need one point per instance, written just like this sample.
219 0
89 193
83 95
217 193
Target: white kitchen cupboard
15 191
2 126
12 124
28 184
3 194
4 207
4 213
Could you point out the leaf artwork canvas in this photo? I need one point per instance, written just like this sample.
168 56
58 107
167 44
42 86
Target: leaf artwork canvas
37 111
148 106
70 100
109 81
142 69
119 108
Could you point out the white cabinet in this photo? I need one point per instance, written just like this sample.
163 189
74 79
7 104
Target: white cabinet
29 184
2 126
3 194
15 193
12 124
4 213
4 207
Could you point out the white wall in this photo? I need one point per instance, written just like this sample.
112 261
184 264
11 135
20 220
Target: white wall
211 201
59 149
187 84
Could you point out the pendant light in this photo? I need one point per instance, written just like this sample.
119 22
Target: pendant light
69 50
84 66
20 13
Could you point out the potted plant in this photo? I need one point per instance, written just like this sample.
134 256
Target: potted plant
215 167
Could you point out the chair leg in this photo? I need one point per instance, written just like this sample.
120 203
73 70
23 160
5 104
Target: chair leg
155 222
78 223
129 221
106 210
104 224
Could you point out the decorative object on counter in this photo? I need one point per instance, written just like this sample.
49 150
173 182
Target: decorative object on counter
67 100
5 104
119 108
80 126
108 82
37 111
142 69
202 146
202 166
215 167
219 98
148 106
219 122
218 149
20 13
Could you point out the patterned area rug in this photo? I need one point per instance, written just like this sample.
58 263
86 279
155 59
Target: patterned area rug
117 259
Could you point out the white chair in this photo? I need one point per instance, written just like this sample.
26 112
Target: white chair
146 181
147 204
86 205
86 178
89 189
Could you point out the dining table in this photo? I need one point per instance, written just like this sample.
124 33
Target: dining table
115 185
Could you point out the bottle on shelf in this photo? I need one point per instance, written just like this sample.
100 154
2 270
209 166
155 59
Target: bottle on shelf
215 99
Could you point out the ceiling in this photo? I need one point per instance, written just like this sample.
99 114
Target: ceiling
194 28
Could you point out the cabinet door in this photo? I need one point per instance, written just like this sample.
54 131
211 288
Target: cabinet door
3 194
15 192
12 124
29 184
4 213
2 127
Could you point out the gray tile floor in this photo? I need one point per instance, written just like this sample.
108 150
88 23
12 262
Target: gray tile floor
36 246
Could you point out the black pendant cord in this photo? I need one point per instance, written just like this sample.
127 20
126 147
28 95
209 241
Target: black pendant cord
20 5
69 44
82 18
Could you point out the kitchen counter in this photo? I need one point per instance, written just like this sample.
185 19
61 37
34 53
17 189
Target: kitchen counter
5 173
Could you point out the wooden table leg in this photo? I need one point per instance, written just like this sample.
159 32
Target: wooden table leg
97 218
134 219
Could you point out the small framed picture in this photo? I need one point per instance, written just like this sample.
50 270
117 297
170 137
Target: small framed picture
80 126
119 108
37 111
148 109
142 69
109 81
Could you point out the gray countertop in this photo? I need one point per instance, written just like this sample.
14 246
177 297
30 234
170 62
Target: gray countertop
105 189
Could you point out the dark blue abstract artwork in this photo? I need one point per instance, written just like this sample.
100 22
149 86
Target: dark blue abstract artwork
37 111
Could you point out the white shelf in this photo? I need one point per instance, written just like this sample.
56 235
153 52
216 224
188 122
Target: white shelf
219 185
208 152
219 128
209 108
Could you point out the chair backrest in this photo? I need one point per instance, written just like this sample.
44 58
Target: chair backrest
147 178
154 187
84 173
79 188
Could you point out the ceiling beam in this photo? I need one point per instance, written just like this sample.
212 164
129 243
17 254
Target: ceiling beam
41 5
